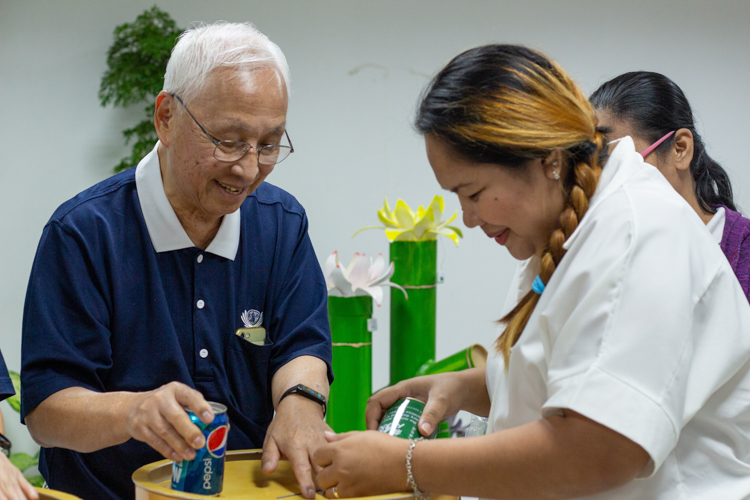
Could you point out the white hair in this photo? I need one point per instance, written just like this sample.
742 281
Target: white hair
205 47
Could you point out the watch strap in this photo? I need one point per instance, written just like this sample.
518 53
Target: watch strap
5 445
311 394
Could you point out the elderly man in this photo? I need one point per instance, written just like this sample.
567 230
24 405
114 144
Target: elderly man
182 281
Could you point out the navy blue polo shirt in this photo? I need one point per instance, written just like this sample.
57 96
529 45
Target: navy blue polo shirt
108 310
6 386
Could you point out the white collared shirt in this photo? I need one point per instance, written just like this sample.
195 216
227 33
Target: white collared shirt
164 228
642 328
716 225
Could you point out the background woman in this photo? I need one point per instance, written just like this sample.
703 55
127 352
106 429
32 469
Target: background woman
653 110
625 356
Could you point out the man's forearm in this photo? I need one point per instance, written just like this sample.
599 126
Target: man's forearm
81 420
306 370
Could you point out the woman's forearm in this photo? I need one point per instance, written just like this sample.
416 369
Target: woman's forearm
476 400
553 458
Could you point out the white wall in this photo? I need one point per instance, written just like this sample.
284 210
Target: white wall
357 70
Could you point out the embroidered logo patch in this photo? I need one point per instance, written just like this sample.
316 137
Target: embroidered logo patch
253 331
252 318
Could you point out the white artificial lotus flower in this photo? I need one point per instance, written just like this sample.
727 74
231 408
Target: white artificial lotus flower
361 277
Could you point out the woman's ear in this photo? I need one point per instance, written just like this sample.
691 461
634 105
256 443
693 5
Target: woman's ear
553 165
682 149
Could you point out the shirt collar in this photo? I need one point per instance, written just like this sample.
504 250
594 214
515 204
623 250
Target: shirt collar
716 225
622 163
164 228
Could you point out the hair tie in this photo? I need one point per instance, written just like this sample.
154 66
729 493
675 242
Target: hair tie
538 285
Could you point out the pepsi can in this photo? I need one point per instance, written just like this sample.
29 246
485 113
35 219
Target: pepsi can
204 474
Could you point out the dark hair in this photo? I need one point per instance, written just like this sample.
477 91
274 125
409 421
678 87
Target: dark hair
506 105
653 105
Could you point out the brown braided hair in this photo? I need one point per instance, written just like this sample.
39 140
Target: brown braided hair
507 105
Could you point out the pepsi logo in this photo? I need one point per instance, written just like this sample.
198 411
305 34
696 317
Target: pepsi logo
217 442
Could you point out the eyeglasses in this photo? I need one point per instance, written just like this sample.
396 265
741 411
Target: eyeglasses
236 150
655 145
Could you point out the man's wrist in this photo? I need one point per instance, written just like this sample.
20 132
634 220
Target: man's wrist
302 391
5 445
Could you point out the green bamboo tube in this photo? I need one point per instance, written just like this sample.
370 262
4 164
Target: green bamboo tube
471 357
413 320
352 362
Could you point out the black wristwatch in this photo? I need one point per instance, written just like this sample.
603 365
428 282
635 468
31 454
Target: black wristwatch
5 445
305 391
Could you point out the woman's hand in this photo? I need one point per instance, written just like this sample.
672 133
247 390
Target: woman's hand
13 486
444 395
361 464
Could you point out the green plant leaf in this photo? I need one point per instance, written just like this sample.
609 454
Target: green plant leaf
138 57
15 400
23 461
37 481
136 63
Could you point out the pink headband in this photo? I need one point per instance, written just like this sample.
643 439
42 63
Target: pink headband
655 145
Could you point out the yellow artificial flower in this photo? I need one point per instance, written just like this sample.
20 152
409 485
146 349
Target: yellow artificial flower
402 224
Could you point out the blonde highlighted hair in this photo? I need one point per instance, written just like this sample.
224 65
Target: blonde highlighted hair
507 105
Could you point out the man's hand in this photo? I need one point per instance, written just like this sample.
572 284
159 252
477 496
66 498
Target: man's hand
298 428
296 433
158 419
13 486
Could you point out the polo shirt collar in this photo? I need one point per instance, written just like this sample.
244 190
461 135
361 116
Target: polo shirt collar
164 228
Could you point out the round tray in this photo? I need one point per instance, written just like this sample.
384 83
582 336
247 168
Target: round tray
242 479
45 494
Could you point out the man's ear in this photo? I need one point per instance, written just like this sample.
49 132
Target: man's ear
163 115
682 149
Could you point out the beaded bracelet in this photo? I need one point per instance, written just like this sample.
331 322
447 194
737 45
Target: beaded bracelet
419 495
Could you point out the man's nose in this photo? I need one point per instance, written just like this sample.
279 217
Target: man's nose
247 167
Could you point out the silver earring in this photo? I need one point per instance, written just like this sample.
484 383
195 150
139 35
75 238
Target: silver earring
555 175
554 163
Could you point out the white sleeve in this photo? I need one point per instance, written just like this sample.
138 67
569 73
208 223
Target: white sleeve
640 336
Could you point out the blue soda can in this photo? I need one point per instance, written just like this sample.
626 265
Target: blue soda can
204 474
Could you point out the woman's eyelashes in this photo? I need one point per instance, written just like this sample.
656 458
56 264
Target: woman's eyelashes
475 196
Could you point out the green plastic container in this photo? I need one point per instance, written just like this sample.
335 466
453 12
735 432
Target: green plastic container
352 362
413 320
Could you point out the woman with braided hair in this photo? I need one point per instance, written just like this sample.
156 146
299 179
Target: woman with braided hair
654 112
624 366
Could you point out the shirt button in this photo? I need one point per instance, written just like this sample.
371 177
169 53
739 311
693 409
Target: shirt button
200 304
200 258
204 353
